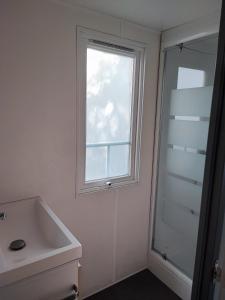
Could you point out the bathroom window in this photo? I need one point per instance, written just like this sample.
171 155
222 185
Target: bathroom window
190 78
110 79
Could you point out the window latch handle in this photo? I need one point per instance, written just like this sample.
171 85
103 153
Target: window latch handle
109 184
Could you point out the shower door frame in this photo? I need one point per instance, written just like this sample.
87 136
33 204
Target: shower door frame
163 269
213 206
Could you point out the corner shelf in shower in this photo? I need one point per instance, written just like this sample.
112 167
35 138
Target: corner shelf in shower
186 149
189 180
183 207
189 118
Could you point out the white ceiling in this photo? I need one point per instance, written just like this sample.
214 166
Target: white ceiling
157 14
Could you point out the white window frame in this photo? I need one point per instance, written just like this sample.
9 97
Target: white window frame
84 39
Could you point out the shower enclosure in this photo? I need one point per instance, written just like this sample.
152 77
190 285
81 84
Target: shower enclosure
188 79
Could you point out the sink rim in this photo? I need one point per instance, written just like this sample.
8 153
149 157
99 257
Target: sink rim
45 261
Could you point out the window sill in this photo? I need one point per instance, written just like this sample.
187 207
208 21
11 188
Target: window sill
99 188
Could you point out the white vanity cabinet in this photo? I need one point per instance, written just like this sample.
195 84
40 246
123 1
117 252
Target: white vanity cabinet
46 267
55 284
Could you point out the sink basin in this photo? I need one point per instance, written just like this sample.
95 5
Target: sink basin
48 242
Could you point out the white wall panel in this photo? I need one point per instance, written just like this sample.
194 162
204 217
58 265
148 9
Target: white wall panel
38 142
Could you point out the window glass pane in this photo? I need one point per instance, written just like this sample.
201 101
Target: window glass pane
96 163
108 110
190 78
119 160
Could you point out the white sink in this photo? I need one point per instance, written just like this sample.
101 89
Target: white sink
48 242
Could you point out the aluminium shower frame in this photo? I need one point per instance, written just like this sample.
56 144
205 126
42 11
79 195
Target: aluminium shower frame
163 269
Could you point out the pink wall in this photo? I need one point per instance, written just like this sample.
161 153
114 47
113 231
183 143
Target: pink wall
37 134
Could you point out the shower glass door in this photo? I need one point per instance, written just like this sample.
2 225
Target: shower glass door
186 105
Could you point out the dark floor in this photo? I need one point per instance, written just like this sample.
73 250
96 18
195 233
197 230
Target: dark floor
141 286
